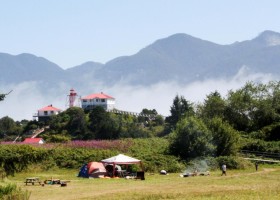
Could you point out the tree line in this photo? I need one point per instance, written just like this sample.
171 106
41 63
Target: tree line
247 118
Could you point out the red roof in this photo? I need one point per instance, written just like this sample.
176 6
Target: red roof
32 140
49 108
98 96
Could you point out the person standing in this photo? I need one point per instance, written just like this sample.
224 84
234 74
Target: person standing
224 170
257 166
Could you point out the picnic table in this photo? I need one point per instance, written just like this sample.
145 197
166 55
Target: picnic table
32 180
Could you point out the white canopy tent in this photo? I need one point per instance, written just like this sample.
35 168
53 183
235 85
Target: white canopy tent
122 160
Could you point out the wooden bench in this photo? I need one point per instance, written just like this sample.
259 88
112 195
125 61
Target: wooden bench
32 180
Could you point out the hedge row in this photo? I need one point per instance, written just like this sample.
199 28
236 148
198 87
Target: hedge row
15 158
153 153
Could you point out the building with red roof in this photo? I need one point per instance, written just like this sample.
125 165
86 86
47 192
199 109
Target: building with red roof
99 99
45 113
33 141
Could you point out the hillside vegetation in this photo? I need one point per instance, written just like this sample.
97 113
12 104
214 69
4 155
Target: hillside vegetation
215 130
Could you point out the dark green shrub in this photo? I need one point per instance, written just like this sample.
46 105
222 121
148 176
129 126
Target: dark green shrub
271 132
74 157
191 139
48 164
155 163
261 145
58 138
257 135
15 158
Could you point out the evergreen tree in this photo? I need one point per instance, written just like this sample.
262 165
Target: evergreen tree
77 125
214 106
102 125
180 109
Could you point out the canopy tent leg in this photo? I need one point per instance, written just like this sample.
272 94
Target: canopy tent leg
114 170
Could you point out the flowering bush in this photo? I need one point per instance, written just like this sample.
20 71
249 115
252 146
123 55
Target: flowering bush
120 145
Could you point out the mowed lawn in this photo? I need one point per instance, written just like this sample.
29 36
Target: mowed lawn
238 184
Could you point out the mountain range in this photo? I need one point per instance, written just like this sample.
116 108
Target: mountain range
179 57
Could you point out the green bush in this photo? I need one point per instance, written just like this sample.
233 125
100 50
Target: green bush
58 138
233 162
261 145
155 163
15 158
47 164
12 191
66 157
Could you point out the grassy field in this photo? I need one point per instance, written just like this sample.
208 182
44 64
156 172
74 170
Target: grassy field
241 184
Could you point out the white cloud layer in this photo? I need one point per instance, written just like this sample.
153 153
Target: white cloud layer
161 95
26 98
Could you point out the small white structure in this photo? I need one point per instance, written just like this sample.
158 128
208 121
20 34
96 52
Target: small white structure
46 112
99 99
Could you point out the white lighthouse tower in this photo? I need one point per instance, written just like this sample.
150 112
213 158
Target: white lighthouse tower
73 99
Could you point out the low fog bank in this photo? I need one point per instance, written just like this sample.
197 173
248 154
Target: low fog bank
26 98
161 95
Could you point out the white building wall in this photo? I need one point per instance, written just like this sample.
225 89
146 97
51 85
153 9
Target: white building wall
47 113
107 104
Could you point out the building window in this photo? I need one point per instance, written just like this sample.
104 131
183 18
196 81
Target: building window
102 100
52 112
84 100
45 112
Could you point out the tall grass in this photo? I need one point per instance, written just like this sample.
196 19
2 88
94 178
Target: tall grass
13 192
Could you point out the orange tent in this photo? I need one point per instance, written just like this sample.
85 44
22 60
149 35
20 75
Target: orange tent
96 169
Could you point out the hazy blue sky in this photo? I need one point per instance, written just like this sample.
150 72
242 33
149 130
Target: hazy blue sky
71 32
